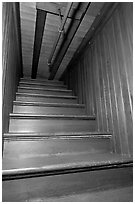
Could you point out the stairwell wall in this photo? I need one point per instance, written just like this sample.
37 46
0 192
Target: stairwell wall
102 77
11 58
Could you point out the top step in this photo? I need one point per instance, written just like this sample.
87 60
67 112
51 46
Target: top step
43 81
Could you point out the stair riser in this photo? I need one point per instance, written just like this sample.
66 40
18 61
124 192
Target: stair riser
27 154
46 92
41 188
47 82
42 86
48 110
46 100
51 125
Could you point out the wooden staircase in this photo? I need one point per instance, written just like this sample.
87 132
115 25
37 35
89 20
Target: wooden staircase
53 148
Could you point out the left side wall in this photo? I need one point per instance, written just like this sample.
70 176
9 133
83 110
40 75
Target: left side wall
11 58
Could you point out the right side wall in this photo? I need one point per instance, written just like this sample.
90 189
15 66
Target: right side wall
102 77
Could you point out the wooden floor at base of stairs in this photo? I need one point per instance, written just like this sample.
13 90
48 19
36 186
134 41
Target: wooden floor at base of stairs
84 186
123 194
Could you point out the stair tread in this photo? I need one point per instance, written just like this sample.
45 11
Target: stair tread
42 84
32 103
42 116
70 162
45 89
58 135
41 80
45 95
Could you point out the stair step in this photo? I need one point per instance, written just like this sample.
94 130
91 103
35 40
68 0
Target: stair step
58 164
38 151
51 123
48 108
43 116
45 98
67 105
64 135
45 91
43 81
41 85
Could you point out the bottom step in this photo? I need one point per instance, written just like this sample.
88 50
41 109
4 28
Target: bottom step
23 150
88 177
66 164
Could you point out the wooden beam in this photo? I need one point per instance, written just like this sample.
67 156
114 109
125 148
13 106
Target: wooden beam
69 6
105 14
51 8
39 30
66 43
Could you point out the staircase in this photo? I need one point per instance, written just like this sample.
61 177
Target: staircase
53 149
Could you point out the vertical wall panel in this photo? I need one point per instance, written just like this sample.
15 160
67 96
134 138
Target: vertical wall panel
95 90
104 75
101 84
11 58
105 84
92 95
79 84
87 86
122 82
98 88
111 92
83 81
116 81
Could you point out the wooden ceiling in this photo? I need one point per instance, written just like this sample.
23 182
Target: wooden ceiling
66 47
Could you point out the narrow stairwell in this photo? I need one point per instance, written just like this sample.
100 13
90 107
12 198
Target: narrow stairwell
53 148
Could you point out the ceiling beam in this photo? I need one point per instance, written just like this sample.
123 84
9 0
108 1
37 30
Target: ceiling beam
65 44
69 6
39 30
97 25
52 8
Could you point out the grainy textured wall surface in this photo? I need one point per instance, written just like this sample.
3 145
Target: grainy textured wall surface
102 77
11 58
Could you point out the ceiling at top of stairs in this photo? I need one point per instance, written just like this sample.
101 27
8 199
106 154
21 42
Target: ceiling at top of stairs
28 15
